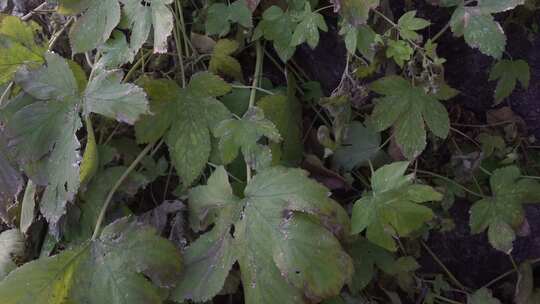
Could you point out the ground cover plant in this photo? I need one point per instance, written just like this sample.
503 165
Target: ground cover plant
269 151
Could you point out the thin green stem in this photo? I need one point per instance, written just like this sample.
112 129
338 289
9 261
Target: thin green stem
136 65
6 92
256 75
450 181
115 187
504 275
251 88
444 268
57 35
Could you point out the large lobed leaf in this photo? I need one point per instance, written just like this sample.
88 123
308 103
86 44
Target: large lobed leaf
284 239
42 132
128 263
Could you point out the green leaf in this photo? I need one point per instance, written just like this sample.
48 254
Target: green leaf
243 134
115 52
359 145
144 16
220 17
11 247
128 263
196 114
400 51
18 46
407 108
162 94
28 207
90 161
280 207
491 143
392 207
11 180
482 296
408 24
96 24
286 113
497 6
277 26
357 12
503 212
481 31
223 62
366 256
508 73
108 96
308 28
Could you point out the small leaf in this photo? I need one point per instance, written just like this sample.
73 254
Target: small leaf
308 28
243 134
508 73
28 207
223 62
408 24
503 211
400 51
392 208
360 145
480 31
357 12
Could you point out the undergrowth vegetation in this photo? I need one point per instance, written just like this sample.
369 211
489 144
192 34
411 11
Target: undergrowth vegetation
167 151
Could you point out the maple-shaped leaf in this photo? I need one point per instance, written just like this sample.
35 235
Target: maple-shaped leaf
392 208
408 24
223 62
284 226
143 16
408 109
508 73
95 25
243 134
479 29
18 46
43 133
128 263
197 113
308 28
277 26
105 94
503 211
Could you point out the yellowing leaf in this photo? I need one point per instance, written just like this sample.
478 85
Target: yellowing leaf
223 62
18 46
128 263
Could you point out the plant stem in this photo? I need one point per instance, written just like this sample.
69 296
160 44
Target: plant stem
251 87
445 269
256 75
57 35
119 182
6 92
504 275
450 181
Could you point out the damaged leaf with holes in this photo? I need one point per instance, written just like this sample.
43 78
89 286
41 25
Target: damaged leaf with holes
284 225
